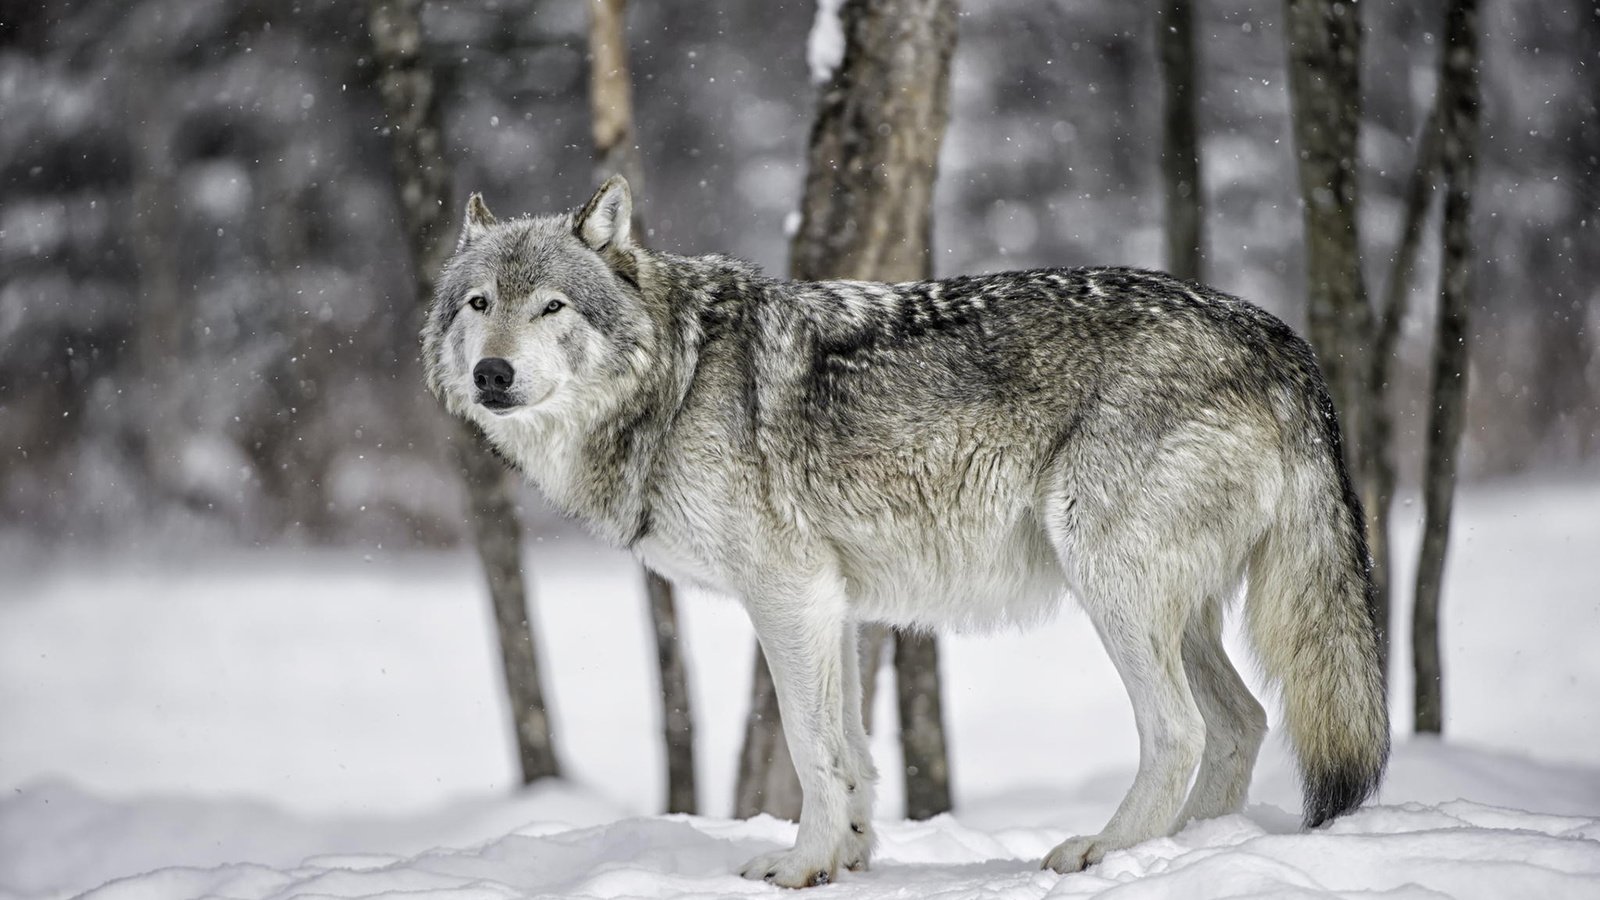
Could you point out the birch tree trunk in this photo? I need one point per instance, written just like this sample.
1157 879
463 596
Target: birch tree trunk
616 152
1180 145
1458 84
411 107
611 97
866 213
1325 94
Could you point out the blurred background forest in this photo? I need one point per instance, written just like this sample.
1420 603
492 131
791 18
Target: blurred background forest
207 324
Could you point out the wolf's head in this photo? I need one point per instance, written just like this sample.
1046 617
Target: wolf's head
535 315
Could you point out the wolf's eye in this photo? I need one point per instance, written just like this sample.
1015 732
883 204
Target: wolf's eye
553 306
478 302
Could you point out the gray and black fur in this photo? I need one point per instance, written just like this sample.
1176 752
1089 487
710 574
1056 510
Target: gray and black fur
953 453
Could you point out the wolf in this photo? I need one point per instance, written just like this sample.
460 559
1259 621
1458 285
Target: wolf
943 454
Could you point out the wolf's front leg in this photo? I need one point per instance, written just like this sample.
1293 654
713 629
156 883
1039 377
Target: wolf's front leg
861 774
800 634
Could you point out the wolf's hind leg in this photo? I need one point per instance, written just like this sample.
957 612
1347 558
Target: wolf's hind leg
1235 722
1142 631
861 776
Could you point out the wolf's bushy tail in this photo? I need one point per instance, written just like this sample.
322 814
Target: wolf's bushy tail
1309 617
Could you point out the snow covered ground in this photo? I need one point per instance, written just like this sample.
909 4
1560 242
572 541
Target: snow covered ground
321 724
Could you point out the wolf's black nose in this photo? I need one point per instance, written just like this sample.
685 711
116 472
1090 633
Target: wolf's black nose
493 374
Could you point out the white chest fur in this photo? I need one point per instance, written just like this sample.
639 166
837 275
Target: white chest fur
547 451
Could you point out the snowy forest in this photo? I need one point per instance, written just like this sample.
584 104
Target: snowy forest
207 314
263 630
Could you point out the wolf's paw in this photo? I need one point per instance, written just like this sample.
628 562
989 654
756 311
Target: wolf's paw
1077 854
857 853
791 868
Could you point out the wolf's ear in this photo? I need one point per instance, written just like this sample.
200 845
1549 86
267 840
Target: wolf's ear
607 219
475 222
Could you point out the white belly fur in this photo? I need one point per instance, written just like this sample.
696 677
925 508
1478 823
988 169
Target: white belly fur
972 579
1008 577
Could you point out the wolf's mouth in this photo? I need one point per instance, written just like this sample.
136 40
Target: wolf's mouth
497 401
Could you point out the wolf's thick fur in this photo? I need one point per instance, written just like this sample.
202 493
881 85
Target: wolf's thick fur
953 453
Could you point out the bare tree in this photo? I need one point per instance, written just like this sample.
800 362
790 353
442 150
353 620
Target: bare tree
1324 90
873 639
920 699
616 152
159 335
767 781
1180 144
611 96
677 715
874 151
866 213
1385 346
1563 376
1458 85
411 106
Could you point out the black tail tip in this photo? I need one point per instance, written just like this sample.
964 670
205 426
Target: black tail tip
1331 794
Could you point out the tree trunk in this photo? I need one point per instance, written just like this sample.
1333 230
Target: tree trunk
611 96
1562 387
159 325
411 106
1180 143
916 666
867 213
867 208
1385 344
1419 191
871 640
767 781
1459 88
616 152
1324 90
497 537
677 718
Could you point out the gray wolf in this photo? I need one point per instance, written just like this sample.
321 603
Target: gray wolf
955 453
